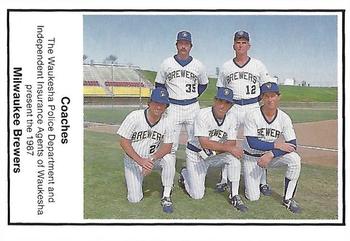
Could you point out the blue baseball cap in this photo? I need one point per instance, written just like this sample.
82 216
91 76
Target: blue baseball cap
224 94
160 95
241 34
269 87
184 35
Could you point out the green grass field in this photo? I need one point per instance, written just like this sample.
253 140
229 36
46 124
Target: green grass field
149 75
105 191
116 115
289 93
108 115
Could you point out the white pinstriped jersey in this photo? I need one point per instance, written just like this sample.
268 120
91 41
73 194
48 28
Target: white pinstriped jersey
182 81
244 80
256 125
146 138
205 124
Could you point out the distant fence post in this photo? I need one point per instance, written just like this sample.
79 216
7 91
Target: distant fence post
140 90
140 84
112 86
112 96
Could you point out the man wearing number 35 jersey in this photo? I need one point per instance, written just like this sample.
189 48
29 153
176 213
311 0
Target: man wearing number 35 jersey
185 79
244 75
147 137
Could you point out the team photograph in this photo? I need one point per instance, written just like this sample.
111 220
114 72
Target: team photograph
212 118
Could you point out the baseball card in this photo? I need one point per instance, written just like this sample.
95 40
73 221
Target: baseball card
221 118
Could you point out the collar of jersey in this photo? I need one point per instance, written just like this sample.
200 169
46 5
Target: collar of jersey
241 66
274 118
217 121
183 63
149 123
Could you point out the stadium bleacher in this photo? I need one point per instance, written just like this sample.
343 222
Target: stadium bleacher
94 91
108 80
124 83
91 83
131 91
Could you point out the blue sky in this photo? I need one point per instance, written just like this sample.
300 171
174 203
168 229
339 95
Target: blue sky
303 47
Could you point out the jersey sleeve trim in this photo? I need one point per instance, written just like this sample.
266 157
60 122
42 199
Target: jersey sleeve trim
159 85
201 88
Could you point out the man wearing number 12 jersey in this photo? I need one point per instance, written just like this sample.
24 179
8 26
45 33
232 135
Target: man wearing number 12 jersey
244 75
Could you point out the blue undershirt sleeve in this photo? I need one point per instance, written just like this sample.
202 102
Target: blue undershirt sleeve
157 85
278 152
257 144
201 88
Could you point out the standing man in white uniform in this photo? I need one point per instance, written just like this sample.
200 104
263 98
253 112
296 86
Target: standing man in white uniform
147 137
185 79
264 147
214 144
244 75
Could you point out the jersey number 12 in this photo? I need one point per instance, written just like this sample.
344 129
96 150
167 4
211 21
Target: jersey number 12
251 89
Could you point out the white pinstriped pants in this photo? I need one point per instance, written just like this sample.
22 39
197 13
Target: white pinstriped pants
134 177
183 115
241 112
196 171
252 173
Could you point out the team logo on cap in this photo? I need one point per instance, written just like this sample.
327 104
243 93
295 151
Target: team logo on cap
226 92
184 34
162 93
268 85
240 33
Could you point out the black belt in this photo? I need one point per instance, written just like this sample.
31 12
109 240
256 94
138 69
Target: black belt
251 154
193 148
183 102
246 101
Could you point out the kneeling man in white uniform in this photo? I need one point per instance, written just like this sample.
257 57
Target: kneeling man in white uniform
270 141
214 144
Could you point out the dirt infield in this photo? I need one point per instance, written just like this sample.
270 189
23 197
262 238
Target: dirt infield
317 141
318 134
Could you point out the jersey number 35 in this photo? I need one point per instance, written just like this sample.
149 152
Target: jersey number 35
190 88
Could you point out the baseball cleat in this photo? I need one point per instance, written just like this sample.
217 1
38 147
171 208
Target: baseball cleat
292 205
167 204
220 187
237 202
265 190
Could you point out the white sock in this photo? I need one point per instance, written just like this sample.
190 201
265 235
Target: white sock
224 175
167 191
290 189
263 179
234 188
